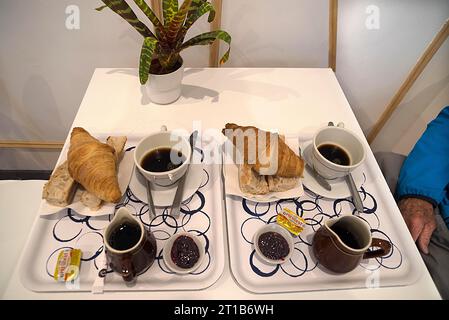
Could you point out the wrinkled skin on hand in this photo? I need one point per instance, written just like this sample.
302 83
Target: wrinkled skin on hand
420 219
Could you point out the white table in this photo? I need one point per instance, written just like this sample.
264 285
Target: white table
294 100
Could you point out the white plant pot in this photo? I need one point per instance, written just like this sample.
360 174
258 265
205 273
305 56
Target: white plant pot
165 88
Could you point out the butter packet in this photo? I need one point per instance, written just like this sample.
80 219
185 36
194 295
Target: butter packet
68 265
291 221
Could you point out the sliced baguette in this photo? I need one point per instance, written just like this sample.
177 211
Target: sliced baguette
61 187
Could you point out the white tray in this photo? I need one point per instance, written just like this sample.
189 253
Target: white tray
202 214
302 272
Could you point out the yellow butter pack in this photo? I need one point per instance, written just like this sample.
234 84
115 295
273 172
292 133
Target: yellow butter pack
290 221
68 265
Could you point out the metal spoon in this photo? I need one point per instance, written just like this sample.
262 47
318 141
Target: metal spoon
176 206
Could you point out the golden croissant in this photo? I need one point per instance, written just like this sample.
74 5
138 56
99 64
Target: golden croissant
289 164
94 165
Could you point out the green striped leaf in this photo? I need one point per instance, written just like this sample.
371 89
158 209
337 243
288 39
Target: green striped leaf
194 5
169 8
208 38
101 8
146 56
202 7
148 12
158 26
174 27
124 10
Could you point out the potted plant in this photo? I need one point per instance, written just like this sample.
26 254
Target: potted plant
161 65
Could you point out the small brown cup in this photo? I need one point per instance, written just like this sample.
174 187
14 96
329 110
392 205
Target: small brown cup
335 255
133 261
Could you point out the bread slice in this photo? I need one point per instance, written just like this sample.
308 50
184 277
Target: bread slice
251 182
91 201
118 143
61 187
279 184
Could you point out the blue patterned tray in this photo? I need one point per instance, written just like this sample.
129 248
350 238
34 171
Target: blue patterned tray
201 214
302 272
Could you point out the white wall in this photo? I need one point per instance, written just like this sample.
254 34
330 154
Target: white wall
283 33
45 68
372 64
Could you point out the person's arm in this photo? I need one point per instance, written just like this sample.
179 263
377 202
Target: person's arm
423 179
425 172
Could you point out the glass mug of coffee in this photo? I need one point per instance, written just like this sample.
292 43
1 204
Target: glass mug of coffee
341 243
130 248
336 152
163 157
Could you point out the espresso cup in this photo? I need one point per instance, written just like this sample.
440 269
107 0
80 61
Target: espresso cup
134 260
163 139
341 243
347 143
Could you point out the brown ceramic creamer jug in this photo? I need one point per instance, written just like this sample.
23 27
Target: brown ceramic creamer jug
341 243
130 248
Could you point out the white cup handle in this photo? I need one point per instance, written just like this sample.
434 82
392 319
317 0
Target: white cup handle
163 128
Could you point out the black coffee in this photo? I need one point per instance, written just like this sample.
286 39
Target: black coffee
346 236
334 154
125 236
162 159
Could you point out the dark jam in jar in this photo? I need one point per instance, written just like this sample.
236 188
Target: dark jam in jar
273 246
185 252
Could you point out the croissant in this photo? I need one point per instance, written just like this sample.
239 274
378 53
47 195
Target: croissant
289 165
94 165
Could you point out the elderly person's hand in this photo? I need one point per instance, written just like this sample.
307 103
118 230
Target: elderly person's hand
420 219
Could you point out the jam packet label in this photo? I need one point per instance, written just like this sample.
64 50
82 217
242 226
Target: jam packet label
291 221
68 265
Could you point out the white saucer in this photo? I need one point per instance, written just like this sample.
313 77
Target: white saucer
339 187
164 196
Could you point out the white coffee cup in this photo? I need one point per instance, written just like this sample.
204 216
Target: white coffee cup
345 139
163 139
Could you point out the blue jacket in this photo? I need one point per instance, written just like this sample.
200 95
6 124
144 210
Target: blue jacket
425 172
